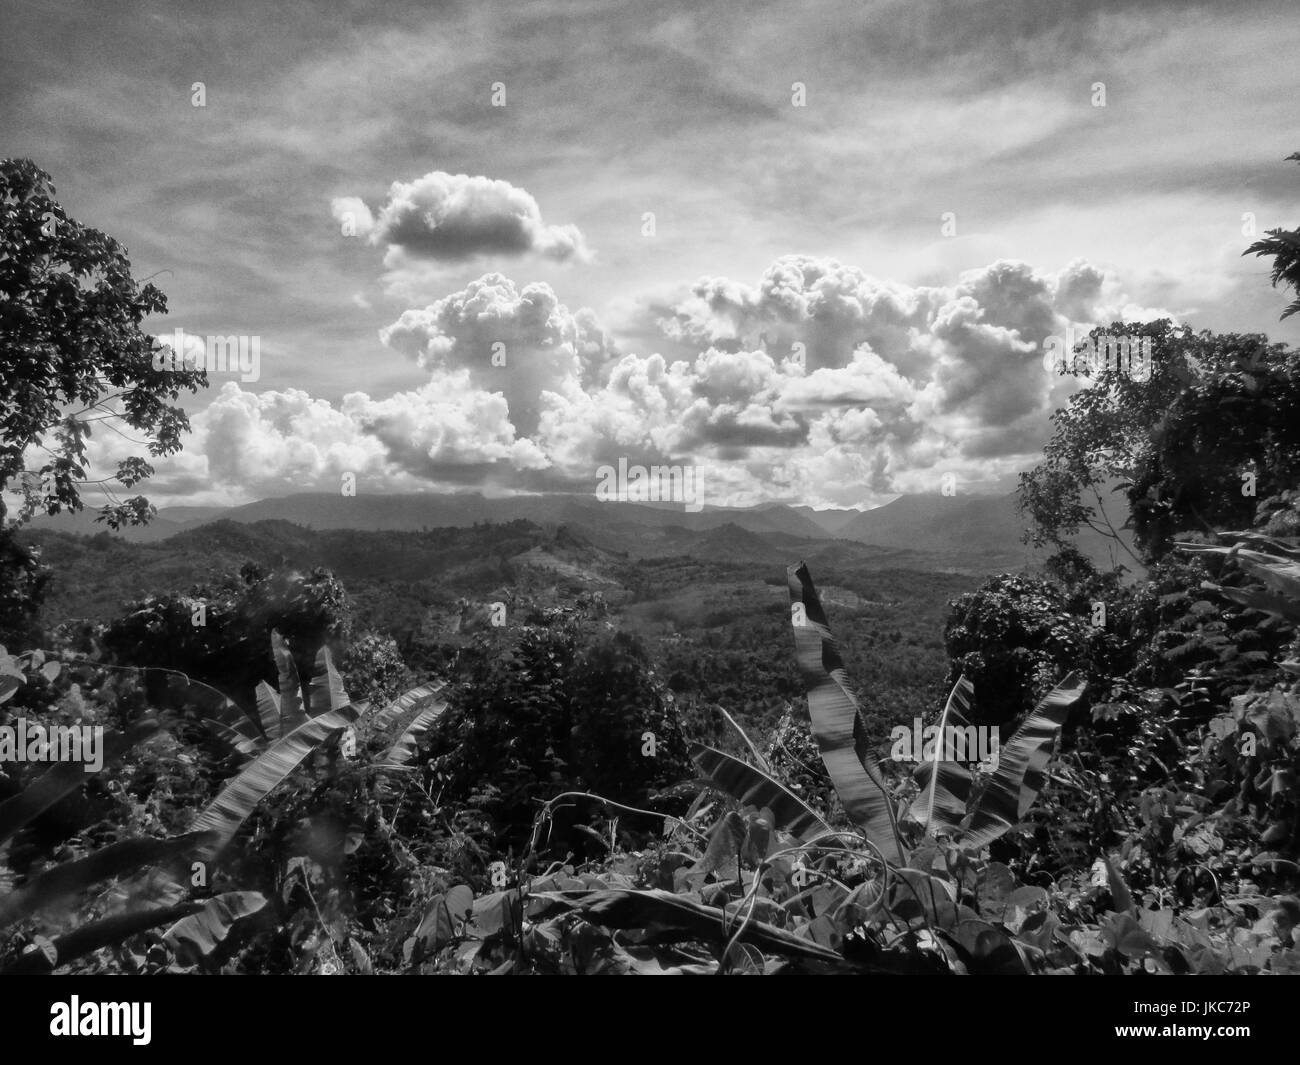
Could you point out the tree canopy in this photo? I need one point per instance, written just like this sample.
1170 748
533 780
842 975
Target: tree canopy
1198 443
1284 246
75 355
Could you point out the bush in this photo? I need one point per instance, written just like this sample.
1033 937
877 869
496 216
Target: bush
217 633
562 707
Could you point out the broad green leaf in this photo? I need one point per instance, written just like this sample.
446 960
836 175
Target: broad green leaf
460 902
404 703
181 690
1278 569
945 785
237 741
1261 599
98 934
268 710
195 937
720 856
837 720
444 919
667 917
754 752
995 886
64 778
495 913
360 958
327 692
1022 766
918 893
400 752
1122 932
753 787
1119 892
117 859
1280 574
1022 904
987 950
229 810
292 713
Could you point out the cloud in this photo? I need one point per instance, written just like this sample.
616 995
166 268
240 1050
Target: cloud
352 215
818 383
245 445
454 218
520 342
282 441
444 425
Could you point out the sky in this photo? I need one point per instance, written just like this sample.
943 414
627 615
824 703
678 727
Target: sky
815 250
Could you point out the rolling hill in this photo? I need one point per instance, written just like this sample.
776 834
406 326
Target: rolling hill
930 531
965 526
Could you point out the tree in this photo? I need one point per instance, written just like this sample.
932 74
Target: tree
553 707
74 355
213 633
1284 246
1014 637
1195 444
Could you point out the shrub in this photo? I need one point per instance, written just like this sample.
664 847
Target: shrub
562 707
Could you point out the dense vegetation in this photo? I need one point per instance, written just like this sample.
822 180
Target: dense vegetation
487 750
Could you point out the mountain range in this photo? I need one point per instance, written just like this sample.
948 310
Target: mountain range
967 529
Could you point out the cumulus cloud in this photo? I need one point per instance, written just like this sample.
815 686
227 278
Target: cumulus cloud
282 441
444 430
522 343
458 217
246 445
818 383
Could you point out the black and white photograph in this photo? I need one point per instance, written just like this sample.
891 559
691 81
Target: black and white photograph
591 488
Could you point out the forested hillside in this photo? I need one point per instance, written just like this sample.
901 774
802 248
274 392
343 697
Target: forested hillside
736 744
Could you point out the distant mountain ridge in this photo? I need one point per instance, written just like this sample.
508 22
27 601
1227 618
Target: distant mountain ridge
416 511
980 527
965 524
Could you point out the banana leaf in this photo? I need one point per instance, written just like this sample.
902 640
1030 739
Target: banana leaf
753 787
117 859
837 720
292 713
945 785
1022 766
327 692
63 778
663 917
230 809
97 934
754 752
400 752
404 703
196 936
268 710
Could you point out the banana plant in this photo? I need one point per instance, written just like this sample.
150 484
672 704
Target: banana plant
1022 768
292 737
838 723
944 786
943 805
751 786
